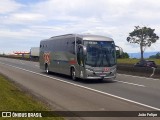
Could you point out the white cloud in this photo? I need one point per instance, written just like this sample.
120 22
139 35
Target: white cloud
22 18
7 6
27 17
81 8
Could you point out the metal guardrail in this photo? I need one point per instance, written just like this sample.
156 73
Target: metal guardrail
142 71
20 58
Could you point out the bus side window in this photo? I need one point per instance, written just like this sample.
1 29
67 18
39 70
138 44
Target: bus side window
79 41
70 45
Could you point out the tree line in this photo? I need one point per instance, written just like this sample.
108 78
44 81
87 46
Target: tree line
157 56
126 55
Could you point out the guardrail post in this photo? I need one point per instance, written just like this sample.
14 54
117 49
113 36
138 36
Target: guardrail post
153 71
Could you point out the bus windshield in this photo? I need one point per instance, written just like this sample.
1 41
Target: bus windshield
100 53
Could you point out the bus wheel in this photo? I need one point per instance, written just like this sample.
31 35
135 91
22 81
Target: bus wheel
46 69
73 74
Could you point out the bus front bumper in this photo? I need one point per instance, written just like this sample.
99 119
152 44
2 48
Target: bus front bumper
100 75
108 77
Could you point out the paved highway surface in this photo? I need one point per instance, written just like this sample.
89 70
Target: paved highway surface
126 93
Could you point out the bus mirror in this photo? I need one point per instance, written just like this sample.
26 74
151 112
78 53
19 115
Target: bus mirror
120 51
84 50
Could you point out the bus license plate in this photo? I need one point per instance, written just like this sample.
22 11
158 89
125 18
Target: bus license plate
102 75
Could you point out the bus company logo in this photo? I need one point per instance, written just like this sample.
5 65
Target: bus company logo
6 114
106 69
46 57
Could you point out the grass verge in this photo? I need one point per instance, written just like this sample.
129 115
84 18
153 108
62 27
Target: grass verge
14 99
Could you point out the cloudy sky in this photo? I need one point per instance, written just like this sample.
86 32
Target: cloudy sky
23 23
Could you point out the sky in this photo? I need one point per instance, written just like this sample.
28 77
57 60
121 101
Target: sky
23 23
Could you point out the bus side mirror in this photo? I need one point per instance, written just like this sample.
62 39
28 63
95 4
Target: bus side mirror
120 51
84 50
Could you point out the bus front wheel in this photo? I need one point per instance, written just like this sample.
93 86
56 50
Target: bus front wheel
46 68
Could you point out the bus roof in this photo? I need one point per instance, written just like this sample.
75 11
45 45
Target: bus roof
96 37
83 36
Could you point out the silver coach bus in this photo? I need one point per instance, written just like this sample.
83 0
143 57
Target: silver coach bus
80 56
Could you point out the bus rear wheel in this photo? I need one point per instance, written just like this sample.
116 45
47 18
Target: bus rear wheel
73 74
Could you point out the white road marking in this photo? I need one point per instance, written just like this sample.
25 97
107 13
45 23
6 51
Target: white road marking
37 65
22 62
140 77
130 83
91 89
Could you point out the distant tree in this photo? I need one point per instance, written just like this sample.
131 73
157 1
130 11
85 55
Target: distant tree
125 55
152 56
157 56
143 36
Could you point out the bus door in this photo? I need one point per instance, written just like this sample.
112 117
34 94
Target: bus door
80 59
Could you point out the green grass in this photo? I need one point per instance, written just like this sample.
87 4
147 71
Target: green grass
13 99
127 61
133 61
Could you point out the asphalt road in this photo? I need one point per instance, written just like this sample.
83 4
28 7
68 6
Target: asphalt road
126 93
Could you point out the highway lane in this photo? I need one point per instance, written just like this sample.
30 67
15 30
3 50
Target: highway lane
79 98
143 90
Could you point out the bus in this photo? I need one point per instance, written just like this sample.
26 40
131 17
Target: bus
79 56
